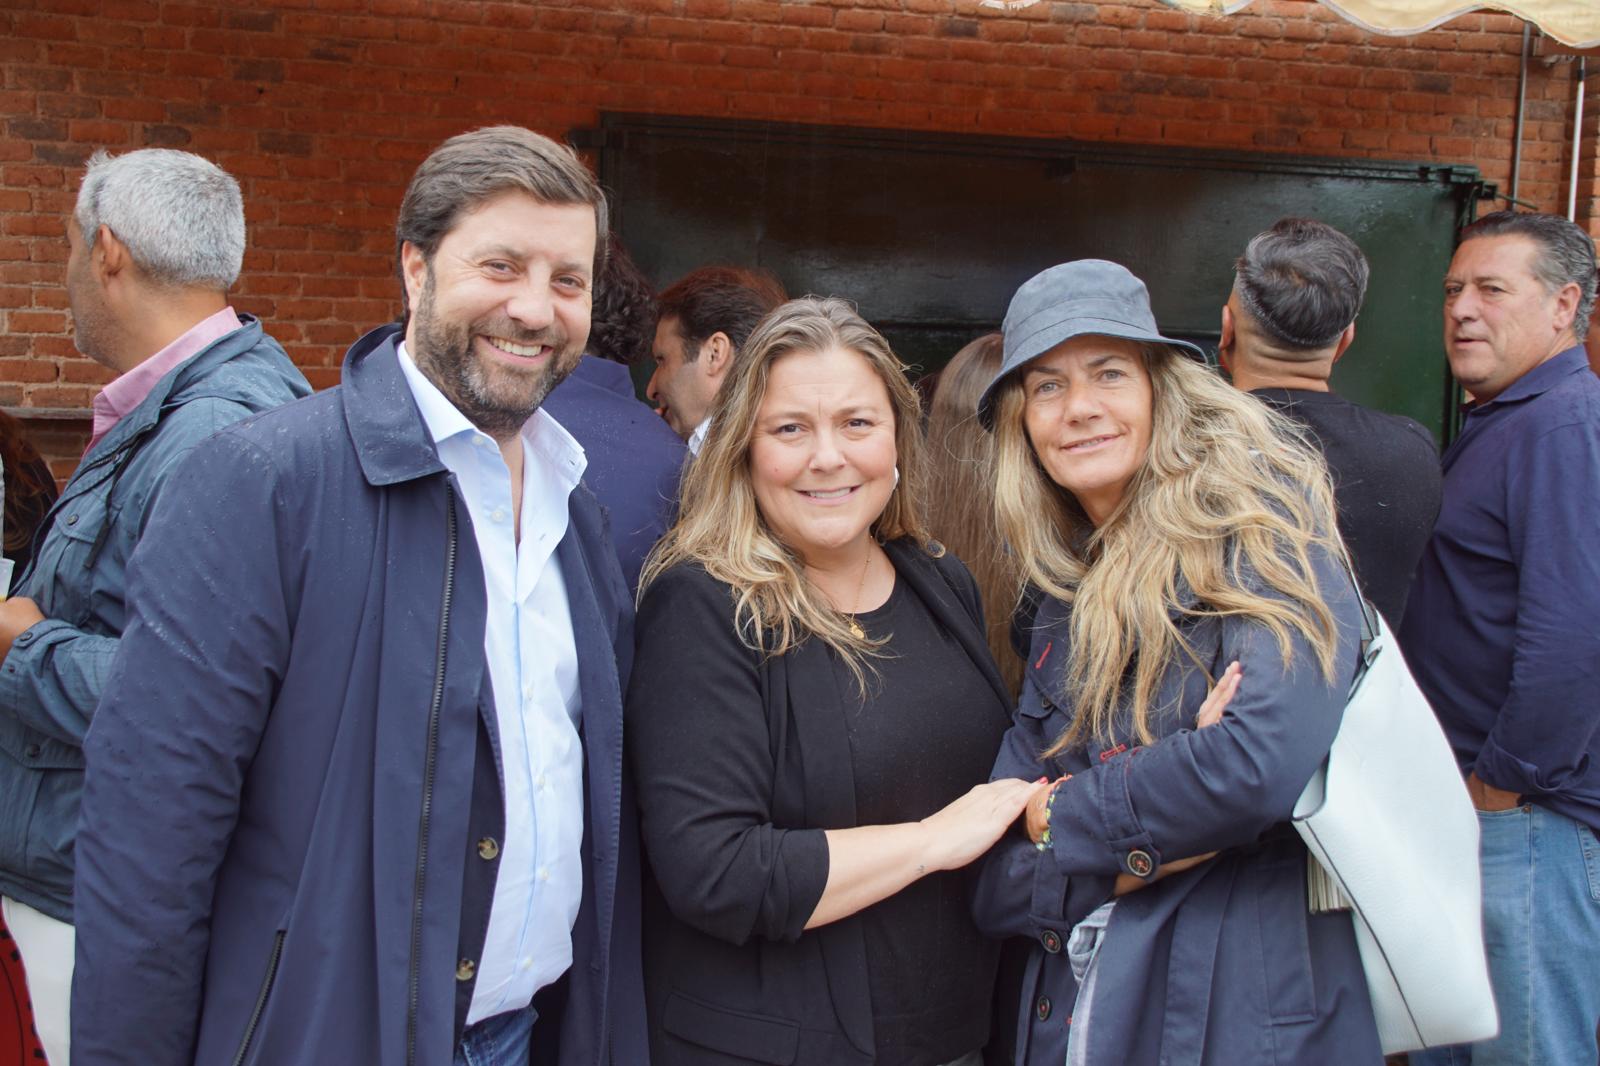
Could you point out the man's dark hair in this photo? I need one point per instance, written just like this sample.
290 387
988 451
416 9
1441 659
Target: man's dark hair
1302 281
1566 254
622 322
719 299
470 168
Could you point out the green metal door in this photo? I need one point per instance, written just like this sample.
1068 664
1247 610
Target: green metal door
930 234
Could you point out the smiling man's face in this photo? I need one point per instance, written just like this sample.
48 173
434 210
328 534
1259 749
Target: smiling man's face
501 311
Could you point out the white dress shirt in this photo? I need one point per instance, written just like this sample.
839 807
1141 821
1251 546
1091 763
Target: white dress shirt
698 436
533 667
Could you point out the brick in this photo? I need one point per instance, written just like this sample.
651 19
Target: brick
63 155
37 129
35 322
162 135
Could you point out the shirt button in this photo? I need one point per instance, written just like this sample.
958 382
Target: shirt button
466 969
72 519
544 874
1140 864
482 442
1051 941
32 751
498 514
1041 1008
527 964
539 782
488 849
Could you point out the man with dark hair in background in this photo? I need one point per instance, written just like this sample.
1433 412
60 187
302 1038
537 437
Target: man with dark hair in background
634 458
1290 317
705 317
1502 631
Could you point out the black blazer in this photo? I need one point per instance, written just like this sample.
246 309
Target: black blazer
738 776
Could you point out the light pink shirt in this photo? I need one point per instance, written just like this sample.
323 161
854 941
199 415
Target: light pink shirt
129 390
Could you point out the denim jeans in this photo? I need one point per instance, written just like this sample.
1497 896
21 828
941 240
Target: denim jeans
1541 924
498 1041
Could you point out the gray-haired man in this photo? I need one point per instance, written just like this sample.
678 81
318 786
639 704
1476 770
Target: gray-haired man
1290 317
156 239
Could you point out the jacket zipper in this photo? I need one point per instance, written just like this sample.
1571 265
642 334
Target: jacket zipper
428 769
261 999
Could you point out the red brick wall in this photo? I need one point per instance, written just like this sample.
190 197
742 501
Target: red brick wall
322 108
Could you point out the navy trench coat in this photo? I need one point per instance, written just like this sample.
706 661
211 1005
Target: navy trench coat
1220 965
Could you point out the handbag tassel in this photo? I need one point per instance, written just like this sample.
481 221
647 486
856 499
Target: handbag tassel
1323 894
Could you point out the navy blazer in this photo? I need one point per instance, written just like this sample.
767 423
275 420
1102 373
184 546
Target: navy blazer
1221 965
285 779
634 457
743 761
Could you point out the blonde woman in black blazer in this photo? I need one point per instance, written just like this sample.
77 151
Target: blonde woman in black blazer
812 714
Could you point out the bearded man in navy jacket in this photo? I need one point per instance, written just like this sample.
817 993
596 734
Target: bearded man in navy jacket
356 794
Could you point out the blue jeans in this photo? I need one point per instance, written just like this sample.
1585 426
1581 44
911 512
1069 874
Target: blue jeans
1541 924
499 1041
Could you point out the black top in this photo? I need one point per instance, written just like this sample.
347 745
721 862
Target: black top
919 741
742 761
1386 482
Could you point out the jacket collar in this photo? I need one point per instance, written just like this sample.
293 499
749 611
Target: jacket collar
391 441
181 378
1540 379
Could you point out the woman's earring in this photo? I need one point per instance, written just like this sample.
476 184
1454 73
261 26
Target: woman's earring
896 478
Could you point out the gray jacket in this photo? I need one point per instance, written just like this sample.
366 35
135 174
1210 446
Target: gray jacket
53 677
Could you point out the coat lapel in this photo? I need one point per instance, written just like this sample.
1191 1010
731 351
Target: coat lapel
817 710
593 609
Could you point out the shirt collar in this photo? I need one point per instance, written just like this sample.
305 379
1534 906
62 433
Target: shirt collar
546 437
1540 379
129 390
698 437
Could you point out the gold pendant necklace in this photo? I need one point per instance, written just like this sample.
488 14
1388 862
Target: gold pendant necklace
855 627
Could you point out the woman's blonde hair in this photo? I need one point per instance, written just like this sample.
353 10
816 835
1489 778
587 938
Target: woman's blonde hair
721 528
1227 489
961 493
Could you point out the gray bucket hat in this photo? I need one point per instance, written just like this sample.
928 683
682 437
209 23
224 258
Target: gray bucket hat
1084 297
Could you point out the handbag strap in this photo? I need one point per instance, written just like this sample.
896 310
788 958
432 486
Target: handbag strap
1370 645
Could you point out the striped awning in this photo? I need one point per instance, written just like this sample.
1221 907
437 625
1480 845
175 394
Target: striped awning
1575 23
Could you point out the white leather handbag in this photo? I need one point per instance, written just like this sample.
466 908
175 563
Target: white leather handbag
1394 839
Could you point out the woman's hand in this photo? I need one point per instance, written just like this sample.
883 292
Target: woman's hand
961 831
1220 696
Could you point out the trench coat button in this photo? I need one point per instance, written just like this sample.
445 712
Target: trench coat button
465 969
1041 1008
72 519
1139 863
488 850
1051 941
32 751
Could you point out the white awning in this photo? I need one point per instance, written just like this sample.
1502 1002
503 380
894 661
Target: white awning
1572 22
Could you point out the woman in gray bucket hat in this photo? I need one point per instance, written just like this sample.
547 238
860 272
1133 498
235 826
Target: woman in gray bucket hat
1181 557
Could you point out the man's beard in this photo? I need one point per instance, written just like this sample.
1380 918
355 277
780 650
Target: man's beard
496 398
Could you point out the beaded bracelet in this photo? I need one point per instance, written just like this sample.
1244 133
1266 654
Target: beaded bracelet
1049 802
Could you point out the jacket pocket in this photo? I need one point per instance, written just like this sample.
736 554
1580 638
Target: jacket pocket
756 1037
1285 940
260 1006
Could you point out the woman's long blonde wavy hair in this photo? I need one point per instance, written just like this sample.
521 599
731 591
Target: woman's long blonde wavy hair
961 493
721 528
1230 494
